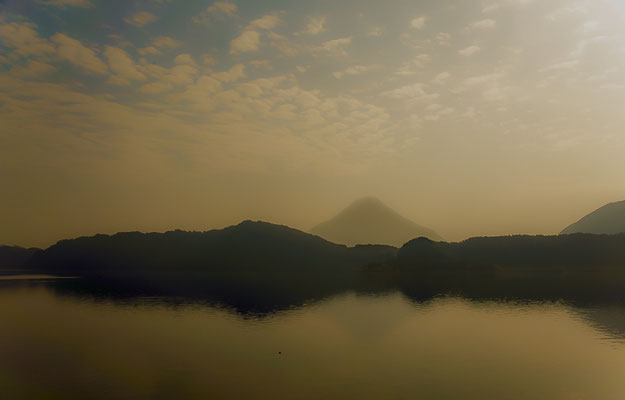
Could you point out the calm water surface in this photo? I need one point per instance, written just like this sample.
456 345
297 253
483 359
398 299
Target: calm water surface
344 347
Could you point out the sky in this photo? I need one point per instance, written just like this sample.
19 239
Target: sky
469 117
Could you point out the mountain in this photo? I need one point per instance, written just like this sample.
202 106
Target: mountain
249 246
608 219
14 256
368 220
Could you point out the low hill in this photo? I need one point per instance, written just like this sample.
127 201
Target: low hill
368 220
248 246
570 252
608 219
14 257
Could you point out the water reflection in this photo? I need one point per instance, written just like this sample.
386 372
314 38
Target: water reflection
59 340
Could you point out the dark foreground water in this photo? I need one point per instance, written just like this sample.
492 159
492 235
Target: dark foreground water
59 346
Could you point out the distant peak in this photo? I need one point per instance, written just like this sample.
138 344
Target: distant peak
368 220
369 201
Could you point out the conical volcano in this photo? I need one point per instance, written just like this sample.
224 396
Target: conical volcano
369 221
608 219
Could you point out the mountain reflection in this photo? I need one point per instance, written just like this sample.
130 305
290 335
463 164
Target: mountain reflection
601 304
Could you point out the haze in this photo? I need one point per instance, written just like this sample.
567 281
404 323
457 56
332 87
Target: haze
469 117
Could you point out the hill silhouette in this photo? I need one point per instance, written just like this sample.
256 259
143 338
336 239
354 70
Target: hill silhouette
15 257
569 252
608 219
258 267
248 246
367 221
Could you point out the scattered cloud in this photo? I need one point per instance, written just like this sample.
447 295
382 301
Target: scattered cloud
484 24
166 42
355 70
419 22
150 50
24 39
469 51
33 70
248 41
74 52
316 25
124 68
413 66
219 9
232 75
490 8
266 22
66 3
414 92
141 19
261 64
441 78
336 46
376 32
443 38
184 59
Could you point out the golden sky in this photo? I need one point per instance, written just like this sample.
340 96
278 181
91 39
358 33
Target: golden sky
470 117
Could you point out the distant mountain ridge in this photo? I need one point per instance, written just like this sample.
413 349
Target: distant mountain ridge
368 220
609 219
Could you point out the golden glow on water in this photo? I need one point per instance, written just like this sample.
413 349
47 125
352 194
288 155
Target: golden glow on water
346 347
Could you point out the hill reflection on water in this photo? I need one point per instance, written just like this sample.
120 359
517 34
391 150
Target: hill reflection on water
599 299
100 340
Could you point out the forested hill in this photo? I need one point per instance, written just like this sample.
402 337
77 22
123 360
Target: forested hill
246 246
567 251
14 257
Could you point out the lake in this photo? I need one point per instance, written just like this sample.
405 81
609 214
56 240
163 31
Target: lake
61 345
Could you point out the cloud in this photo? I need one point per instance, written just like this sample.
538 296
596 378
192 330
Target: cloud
261 64
443 38
248 41
33 70
483 24
161 42
72 51
266 22
141 19
469 51
123 66
415 92
184 59
376 32
150 50
156 88
164 42
316 25
218 9
490 8
441 78
65 3
436 112
336 46
232 75
24 39
355 70
182 74
413 66
419 22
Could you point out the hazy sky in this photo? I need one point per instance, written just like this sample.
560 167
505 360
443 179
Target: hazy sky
470 117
